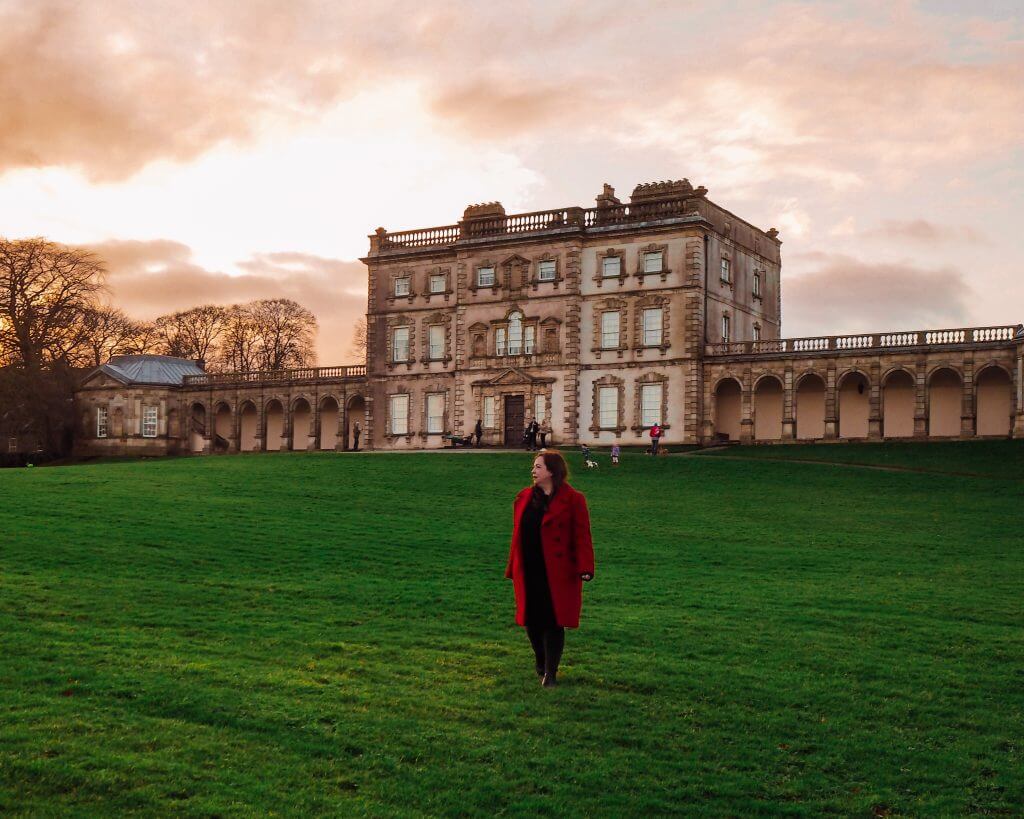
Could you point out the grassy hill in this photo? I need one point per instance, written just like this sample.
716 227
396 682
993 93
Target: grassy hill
304 633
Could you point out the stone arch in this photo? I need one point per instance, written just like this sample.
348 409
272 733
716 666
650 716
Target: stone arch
945 400
248 427
899 397
302 415
853 403
197 426
222 426
355 413
728 408
809 397
993 408
768 408
273 425
330 409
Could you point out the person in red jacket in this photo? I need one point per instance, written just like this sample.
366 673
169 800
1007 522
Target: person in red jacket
655 437
550 557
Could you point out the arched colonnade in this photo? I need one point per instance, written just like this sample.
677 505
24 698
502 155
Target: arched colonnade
277 423
862 403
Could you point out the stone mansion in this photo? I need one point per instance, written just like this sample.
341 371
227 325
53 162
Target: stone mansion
598 321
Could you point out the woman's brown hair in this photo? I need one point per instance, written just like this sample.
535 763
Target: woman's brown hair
556 465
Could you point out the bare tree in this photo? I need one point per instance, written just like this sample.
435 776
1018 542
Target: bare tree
45 291
109 331
285 332
359 338
143 339
191 333
239 346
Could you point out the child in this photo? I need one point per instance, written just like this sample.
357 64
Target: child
615 455
586 452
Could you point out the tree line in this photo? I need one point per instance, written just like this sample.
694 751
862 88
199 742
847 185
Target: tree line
56 319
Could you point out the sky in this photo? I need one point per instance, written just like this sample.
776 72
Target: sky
225 151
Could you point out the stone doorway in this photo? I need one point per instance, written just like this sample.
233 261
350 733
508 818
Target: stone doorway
515 420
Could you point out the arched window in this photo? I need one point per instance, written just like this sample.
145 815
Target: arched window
515 334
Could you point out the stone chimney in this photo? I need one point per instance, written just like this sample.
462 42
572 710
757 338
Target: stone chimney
607 197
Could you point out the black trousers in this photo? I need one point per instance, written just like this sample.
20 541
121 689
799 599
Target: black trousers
547 647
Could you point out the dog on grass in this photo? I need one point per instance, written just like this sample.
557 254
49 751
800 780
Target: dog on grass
591 464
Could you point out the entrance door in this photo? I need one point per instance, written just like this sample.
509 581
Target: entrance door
515 420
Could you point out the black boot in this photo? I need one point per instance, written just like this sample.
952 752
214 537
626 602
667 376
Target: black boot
554 642
536 636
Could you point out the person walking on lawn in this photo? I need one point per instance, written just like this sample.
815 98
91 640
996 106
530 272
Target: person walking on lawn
551 556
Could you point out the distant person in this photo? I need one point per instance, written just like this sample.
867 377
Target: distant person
355 437
478 431
545 431
531 434
615 454
585 451
548 564
655 437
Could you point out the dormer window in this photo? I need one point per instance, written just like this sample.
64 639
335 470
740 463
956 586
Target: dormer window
402 286
485 277
546 270
438 283
653 261
611 266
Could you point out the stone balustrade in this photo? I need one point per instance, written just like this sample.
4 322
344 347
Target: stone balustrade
899 340
300 374
560 219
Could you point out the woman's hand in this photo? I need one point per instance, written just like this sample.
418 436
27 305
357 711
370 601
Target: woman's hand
586 577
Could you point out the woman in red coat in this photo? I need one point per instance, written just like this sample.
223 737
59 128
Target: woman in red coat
551 555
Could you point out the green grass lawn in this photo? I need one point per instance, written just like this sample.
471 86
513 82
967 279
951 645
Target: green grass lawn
322 633
973 458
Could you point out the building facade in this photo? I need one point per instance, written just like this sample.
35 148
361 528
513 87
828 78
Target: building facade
596 321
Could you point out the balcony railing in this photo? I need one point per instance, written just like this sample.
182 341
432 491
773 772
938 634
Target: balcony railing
962 336
580 219
276 376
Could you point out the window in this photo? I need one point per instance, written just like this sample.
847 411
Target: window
757 332
485 277
726 271
399 414
608 407
400 344
435 341
515 334
757 284
435 413
610 330
149 422
539 405
546 270
101 422
499 341
438 283
529 340
490 404
402 286
650 404
725 329
652 326
653 261
610 266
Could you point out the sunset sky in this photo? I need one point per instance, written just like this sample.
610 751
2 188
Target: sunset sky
243 150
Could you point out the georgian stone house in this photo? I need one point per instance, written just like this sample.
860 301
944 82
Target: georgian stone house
598 321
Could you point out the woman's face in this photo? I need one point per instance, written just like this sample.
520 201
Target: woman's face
540 471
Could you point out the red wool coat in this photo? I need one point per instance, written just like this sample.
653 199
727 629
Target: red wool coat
568 553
